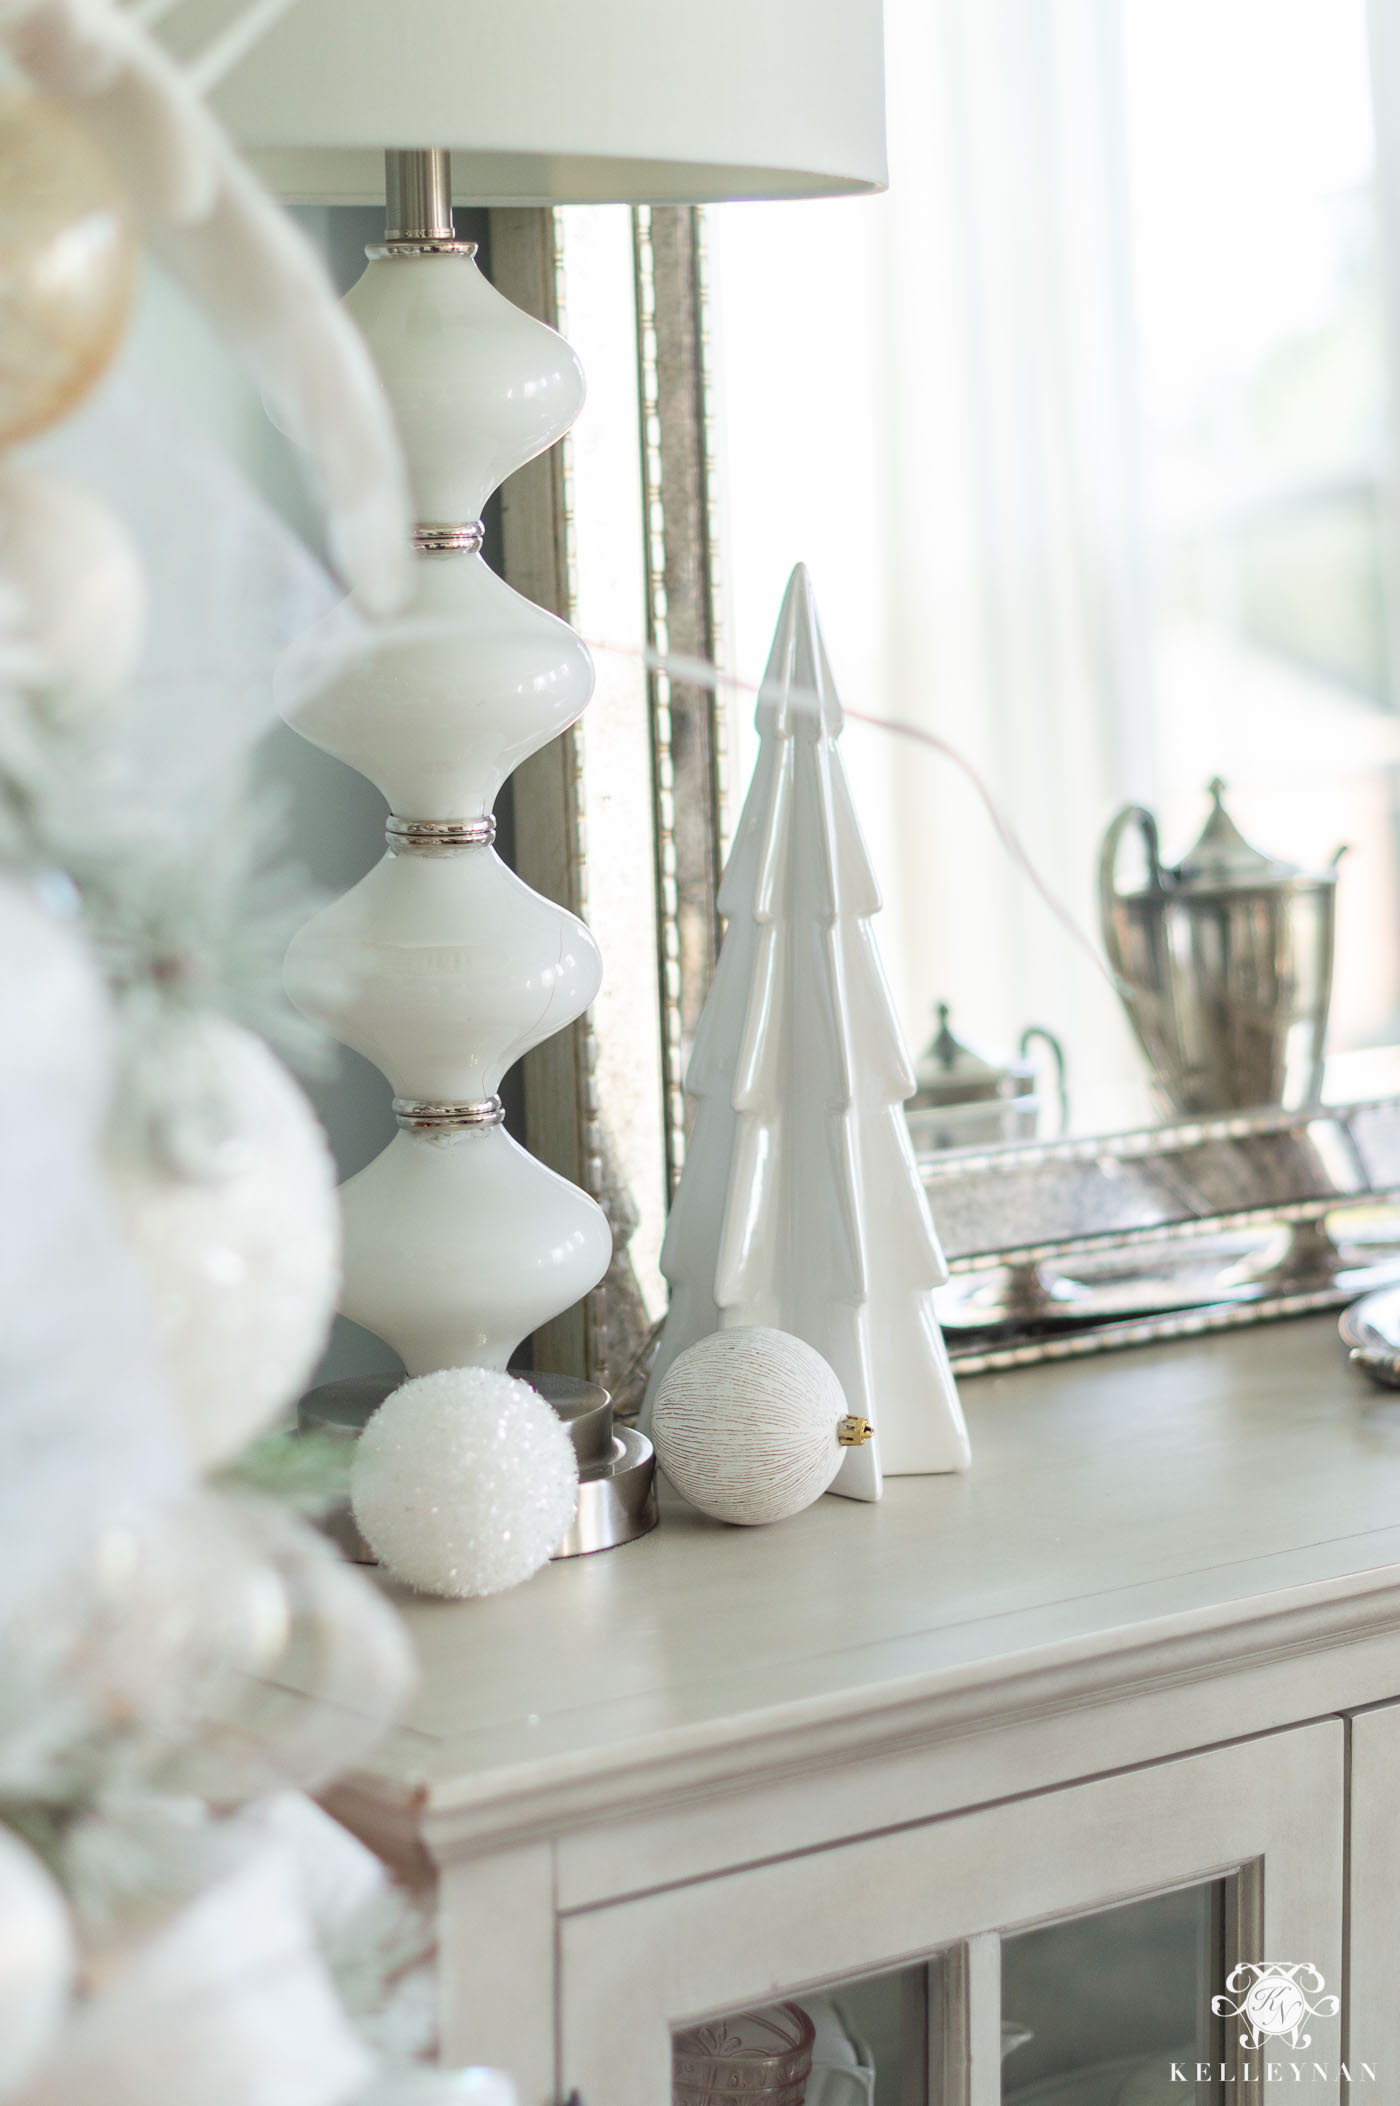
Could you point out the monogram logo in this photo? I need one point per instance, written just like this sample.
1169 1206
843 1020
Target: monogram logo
1274 1998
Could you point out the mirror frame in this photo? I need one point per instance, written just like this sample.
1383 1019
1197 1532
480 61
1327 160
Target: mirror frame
607 1337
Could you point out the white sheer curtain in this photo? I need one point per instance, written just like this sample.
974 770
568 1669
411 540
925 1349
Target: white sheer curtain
968 495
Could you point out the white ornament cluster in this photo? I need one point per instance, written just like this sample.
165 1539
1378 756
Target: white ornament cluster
176 1946
240 1246
464 1482
746 1424
38 1961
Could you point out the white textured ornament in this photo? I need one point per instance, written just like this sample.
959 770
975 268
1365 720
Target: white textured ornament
464 1482
37 1961
241 1245
746 1424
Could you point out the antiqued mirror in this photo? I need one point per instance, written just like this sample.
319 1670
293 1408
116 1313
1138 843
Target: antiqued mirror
1105 499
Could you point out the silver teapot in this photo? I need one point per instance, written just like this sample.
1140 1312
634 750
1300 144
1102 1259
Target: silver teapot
1224 965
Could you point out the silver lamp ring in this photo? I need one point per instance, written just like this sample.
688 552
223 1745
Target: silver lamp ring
415 1115
446 537
438 837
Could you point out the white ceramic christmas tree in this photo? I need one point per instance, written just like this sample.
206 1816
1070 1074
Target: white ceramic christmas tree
801 1205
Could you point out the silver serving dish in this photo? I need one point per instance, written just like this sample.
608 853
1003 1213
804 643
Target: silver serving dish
1224 965
969 1098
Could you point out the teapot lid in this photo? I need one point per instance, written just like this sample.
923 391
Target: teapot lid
952 1072
1222 856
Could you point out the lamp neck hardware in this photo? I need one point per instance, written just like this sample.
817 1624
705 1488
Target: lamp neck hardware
418 198
414 1115
449 538
438 837
386 251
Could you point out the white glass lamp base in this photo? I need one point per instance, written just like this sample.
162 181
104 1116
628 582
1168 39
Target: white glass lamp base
441 965
457 1247
450 698
477 386
443 970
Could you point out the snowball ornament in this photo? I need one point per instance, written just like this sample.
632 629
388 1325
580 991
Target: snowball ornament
229 1199
464 1482
37 1961
750 1425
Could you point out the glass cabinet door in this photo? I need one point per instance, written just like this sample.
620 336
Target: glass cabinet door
1115 2008
865 2042
1112 2008
1073 1948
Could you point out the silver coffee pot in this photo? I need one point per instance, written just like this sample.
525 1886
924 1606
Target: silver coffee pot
1224 965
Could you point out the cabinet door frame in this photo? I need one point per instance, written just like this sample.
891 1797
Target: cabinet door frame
1373 1902
631 1971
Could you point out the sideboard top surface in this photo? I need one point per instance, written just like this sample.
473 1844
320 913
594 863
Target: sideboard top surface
1187 1494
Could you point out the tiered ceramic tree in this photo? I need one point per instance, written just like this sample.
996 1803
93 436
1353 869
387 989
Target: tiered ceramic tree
442 966
801 1205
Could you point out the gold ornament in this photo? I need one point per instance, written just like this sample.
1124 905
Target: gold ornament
67 261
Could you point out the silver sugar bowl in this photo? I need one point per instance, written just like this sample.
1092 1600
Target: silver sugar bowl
968 1098
1224 965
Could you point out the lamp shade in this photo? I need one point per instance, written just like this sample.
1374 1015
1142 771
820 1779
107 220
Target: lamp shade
552 101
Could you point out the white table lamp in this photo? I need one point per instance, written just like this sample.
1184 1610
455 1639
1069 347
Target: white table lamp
547 102
458 1243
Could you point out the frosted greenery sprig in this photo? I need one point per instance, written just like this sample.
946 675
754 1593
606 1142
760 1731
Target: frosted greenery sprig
309 1472
123 1859
202 922
188 912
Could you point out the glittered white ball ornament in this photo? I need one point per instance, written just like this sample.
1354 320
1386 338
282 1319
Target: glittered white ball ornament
747 1424
37 1961
464 1482
232 1211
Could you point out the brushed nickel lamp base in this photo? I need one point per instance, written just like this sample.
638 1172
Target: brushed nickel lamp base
616 1464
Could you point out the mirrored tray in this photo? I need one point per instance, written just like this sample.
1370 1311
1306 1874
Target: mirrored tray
1062 1248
